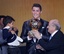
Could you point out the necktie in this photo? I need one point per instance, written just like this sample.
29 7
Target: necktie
50 38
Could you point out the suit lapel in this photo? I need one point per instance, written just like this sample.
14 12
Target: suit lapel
55 35
41 29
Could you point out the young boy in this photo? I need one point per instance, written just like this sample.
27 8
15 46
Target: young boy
13 41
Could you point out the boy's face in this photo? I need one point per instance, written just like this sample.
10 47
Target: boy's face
11 24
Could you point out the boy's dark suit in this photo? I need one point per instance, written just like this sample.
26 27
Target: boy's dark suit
9 37
55 45
26 28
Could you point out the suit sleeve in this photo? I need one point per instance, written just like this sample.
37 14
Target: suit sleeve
24 31
8 36
2 41
52 44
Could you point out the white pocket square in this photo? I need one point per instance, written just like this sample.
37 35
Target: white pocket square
42 27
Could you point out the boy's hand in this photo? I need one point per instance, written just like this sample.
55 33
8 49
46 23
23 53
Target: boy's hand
13 32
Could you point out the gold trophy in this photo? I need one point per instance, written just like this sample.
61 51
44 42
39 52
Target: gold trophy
35 24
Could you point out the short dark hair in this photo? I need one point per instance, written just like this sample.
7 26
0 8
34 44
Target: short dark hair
2 16
7 19
37 5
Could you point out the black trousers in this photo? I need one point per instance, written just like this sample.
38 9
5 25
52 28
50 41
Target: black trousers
14 50
38 51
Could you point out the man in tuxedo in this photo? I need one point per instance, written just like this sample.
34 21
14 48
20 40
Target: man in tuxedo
55 45
36 12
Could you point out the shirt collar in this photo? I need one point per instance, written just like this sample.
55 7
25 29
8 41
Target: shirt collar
7 27
38 18
54 33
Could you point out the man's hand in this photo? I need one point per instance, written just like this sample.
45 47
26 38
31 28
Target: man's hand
39 47
15 29
29 38
30 34
37 34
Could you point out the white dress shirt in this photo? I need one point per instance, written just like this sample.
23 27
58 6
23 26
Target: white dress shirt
16 42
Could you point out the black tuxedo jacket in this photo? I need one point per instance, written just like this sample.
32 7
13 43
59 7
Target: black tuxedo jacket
26 28
55 45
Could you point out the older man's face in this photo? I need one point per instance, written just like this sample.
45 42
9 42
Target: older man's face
51 27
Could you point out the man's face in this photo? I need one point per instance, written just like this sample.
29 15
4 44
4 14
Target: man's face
36 12
51 27
1 21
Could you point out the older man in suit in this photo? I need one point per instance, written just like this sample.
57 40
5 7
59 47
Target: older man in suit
55 45
36 12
